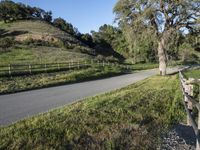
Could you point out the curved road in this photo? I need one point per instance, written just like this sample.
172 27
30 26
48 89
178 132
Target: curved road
14 107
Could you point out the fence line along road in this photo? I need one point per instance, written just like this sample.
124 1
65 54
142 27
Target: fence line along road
187 87
25 69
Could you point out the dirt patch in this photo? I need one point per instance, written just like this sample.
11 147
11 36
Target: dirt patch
42 37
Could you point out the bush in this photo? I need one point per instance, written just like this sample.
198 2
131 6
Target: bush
33 42
6 43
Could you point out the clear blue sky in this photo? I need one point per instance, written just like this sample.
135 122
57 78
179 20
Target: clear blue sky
86 15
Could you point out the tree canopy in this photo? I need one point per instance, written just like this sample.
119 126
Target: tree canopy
63 25
11 11
160 18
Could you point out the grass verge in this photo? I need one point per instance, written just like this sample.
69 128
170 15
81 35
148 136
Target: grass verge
133 117
22 83
144 66
192 74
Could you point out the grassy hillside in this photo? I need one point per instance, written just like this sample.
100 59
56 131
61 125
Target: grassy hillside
40 54
38 41
130 118
36 27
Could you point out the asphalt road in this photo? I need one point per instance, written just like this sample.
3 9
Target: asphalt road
14 107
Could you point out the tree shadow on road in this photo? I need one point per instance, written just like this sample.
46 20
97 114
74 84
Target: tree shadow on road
187 133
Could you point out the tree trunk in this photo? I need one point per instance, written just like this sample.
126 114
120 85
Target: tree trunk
162 57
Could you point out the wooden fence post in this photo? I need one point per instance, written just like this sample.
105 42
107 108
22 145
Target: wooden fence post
91 62
198 123
189 91
72 64
9 69
30 71
45 67
58 65
69 65
78 64
190 106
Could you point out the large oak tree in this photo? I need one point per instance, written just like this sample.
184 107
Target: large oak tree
163 17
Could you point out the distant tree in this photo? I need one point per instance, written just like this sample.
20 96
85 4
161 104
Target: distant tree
63 25
87 39
77 33
48 16
160 17
36 12
185 51
59 22
7 10
109 37
11 11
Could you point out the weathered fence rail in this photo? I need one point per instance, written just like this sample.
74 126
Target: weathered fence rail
190 102
24 69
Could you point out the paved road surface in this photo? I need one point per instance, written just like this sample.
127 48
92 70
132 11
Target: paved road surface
21 105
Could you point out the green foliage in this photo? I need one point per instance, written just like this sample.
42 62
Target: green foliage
63 25
47 16
109 41
34 43
188 49
130 118
87 39
5 43
11 11
193 73
146 24
185 51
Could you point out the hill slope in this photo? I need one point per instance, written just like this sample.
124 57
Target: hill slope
39 41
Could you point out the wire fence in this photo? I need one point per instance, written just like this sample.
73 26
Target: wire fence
27 69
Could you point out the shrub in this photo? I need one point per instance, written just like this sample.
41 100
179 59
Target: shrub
6 43
33 42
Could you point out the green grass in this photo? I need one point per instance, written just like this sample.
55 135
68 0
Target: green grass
26 55
30 26
21 52
37 27
133 117
192 74
144 66
21 83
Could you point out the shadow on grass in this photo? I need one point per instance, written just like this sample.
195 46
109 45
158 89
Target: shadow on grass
5 33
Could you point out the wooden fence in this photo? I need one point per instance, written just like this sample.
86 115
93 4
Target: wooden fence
25 69
190 103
